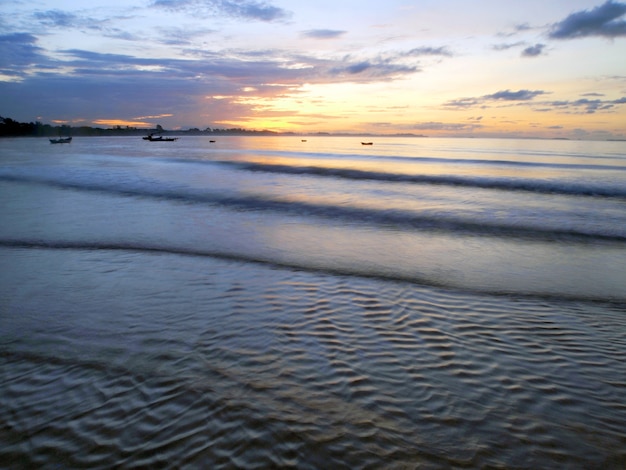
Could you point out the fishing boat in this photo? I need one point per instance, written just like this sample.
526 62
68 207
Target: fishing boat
61 140
159 138
367 143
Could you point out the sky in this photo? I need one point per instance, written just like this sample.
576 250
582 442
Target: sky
483 68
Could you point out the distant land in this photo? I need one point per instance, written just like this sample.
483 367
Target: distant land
12 128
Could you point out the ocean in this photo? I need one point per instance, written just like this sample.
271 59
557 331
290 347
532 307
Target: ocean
312 302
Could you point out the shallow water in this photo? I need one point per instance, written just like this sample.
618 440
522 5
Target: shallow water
253 303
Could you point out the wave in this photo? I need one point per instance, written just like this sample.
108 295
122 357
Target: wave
395 218
331 270
449 160
535 186
553 187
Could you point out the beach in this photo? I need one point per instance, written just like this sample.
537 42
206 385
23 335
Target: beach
262 302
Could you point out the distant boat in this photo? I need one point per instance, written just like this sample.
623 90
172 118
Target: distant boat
303 140
367 143
159 138
61 140
211 141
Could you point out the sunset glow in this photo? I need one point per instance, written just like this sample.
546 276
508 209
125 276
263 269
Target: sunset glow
449 68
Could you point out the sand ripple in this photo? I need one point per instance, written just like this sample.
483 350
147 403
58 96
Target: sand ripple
239 365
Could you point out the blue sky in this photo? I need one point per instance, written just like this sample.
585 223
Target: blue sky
447 67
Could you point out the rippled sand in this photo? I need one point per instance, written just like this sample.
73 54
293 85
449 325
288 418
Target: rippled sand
118 358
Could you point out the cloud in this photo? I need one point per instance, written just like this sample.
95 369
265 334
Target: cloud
533 51
323 33
244 9
385 66
56 18
371 70
17 51
425 51
485 100
356 68
252 10
519 28
520 95
526 97
506 46
582 105
603 20
445 126
122 86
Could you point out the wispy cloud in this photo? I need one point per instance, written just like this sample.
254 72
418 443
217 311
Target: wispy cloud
526 98
507 46
534 50
519 28
243 9
56 18
323 33
584 105
385 66
368 70
426 51
603 20
519 95
485 100
445 126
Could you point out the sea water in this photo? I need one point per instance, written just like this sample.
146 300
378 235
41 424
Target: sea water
276 301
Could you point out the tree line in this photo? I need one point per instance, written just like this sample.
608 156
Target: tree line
12 128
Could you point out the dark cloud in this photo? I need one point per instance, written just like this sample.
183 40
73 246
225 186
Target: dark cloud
17 51
323 33
77 83
603 20
244 9
533 51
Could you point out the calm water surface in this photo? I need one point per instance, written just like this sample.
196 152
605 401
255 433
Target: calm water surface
266 302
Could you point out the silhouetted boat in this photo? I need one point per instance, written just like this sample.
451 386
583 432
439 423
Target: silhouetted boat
61 140
367 143
160 138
